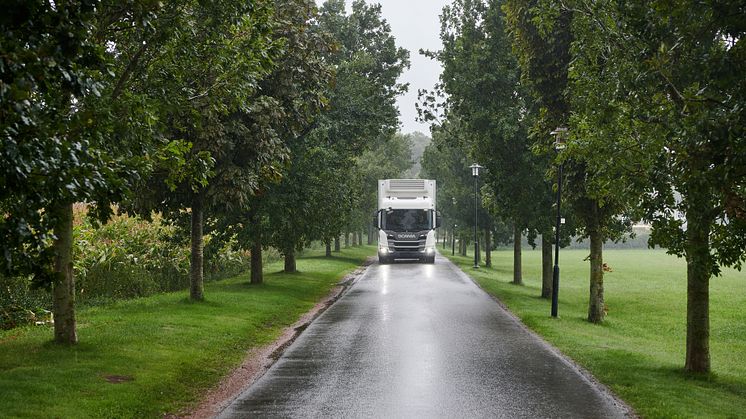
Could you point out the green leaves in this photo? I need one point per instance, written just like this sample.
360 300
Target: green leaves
51 150
486 110
659 113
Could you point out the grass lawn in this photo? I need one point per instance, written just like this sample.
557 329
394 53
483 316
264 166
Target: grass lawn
167 350
639 351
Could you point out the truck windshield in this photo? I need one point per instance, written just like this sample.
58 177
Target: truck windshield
407 220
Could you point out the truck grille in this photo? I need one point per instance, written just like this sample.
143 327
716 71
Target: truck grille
408 245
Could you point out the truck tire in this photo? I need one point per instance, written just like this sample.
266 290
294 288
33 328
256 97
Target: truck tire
383 260
430 259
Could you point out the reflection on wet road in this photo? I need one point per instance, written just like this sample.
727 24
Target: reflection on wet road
418 340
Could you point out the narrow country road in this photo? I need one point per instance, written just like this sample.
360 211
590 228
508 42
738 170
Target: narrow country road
415 340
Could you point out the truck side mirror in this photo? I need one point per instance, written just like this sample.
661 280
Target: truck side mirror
378 219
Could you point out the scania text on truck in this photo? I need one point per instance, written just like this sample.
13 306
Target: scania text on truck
406 220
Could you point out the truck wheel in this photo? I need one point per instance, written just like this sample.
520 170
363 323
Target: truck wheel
430 260
383 260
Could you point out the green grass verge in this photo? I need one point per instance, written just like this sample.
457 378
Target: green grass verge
172 349
639 351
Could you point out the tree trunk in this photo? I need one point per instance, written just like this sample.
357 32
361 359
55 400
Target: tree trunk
698 262
464 245
360 238
257 270
196 291
290 266
370 235
347 239
596 302
546 265
517 274
488 246
354 239
328 244
65 330
336 244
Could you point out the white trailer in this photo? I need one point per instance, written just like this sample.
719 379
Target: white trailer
406 220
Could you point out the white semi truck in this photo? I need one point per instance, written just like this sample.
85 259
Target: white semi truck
406 220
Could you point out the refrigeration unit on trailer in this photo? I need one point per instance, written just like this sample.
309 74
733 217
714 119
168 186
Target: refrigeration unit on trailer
406 220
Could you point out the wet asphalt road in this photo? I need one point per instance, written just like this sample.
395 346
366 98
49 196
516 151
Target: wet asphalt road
415 340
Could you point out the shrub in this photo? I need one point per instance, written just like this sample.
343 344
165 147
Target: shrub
19 304
128 257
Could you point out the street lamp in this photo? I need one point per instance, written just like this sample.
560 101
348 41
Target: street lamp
559 145
453 240
453 231
475 172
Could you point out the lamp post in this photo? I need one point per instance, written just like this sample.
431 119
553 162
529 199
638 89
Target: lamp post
453 231
559 145
453 240
475 173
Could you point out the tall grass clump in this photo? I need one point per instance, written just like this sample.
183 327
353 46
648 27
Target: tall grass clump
126 258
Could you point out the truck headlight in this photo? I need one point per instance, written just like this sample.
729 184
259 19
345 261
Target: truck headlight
430 250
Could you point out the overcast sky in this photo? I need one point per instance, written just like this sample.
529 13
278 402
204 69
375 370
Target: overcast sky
415 24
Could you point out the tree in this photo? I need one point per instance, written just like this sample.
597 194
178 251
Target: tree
368 62
481 81
213 75
543 36
419 142
64 138
361 111
666 114
284 111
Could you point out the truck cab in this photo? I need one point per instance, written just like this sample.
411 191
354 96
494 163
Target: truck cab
406 220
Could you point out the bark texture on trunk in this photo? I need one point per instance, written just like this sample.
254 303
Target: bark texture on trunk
488 247
336 244
546 265
354 238
328 245
370 235
63 292
257 270
196 274
517 271
290 266
347 239
360 238
698 260
596 306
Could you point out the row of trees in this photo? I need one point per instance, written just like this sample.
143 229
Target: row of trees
654 96
244 119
